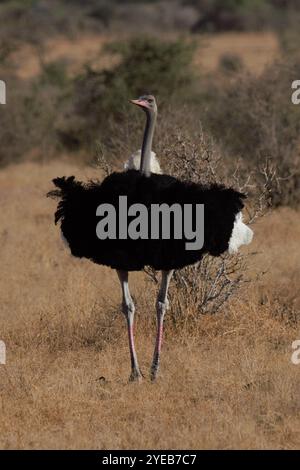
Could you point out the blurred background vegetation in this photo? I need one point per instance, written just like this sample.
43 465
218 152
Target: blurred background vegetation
55 109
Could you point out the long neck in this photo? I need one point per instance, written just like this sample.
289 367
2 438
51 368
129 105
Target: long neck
145 167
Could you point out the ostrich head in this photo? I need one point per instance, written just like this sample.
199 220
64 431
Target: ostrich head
147 103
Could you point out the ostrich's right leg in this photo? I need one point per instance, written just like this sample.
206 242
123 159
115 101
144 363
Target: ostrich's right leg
128 310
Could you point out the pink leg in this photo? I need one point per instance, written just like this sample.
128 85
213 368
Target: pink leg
158 342
161 307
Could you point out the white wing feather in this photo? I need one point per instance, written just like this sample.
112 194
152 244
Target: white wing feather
134 162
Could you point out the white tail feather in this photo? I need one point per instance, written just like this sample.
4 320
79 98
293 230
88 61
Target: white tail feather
241 234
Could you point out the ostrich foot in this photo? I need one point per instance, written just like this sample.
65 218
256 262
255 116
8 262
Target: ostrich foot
154 373
136 376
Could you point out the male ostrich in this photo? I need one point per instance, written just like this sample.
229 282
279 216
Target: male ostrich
223 226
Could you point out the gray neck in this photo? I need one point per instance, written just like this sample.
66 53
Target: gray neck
147 144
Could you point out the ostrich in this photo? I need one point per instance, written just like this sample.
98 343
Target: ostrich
223 226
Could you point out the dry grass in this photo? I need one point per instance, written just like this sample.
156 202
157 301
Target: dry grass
256 50
74 52
229 383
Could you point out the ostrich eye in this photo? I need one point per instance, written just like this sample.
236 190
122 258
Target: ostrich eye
150 100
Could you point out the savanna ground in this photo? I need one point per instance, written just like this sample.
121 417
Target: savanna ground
229 383
227 380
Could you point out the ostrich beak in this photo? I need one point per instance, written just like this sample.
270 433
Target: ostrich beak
141 103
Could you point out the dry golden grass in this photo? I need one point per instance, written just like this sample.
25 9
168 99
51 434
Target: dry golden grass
256 50
75 52
229 383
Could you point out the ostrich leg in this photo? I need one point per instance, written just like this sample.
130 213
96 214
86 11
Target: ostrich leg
128 310
162 305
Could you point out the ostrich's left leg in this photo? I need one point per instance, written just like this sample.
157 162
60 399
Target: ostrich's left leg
162 305
128 310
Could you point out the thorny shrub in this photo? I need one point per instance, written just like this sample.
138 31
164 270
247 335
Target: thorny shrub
205 287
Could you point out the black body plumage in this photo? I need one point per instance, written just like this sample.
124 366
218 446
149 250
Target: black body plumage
77 213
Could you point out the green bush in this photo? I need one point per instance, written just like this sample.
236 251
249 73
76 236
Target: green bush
28 120
146 65
230 63
254 118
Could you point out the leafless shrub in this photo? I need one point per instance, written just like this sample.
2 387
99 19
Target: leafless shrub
194 159
206 286
230 63
286 310
101 161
